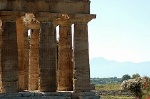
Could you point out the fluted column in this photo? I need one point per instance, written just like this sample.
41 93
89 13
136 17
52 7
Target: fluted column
22 35
0 56
81 58
47 57
9 58
65 64
26 60
34 60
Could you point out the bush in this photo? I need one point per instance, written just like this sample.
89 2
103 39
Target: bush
139 86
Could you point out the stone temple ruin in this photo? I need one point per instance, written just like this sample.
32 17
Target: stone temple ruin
33 57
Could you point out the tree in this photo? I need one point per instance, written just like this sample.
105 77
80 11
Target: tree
125 77
135 76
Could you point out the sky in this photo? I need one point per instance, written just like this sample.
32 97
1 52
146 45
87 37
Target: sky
121 30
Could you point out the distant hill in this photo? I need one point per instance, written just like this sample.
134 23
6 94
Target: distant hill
101 67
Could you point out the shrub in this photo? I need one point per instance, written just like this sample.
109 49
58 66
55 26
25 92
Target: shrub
139 86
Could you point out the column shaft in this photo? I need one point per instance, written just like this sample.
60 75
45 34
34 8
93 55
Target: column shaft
47 57
0 56
81 58
34 60
65 64
26 60
22 35
9 58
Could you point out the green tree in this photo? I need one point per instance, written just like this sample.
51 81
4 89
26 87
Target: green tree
135 76
125 77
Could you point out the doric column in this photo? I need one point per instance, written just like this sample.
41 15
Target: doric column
47 57
32 23
23 60
65 64
34 60
0 56
81 58
9 58
26 60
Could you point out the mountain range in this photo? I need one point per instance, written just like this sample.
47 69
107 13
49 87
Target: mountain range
101 67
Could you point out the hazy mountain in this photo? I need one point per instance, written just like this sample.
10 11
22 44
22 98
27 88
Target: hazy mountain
101 67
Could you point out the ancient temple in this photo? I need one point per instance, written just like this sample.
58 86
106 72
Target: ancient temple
34 55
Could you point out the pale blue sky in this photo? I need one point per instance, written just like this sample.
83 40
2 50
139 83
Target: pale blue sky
121 30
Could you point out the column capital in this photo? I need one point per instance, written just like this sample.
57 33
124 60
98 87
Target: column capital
64 20
30 21
84 18
63 23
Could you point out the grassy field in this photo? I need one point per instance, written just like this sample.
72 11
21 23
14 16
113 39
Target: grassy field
111 87
108 87
116 97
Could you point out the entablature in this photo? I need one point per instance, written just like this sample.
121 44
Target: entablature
47 16
54 6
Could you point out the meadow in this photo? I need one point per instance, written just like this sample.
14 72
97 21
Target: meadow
112 91
122 88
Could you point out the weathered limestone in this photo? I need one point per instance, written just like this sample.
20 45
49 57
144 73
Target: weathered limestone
37 62
49 95
9 58
57 6
34 60
37 95
47 57
0 56
65 64
26 60
3 4
81 58
30 21
23 60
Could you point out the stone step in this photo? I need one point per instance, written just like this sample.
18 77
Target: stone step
48 95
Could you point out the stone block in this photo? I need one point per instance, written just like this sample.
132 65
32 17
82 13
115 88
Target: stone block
65 93
38 94
2 95
19 98
8 95
86 94
53 97
70 7
89 97
51 93
27 94
43 97
63 97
